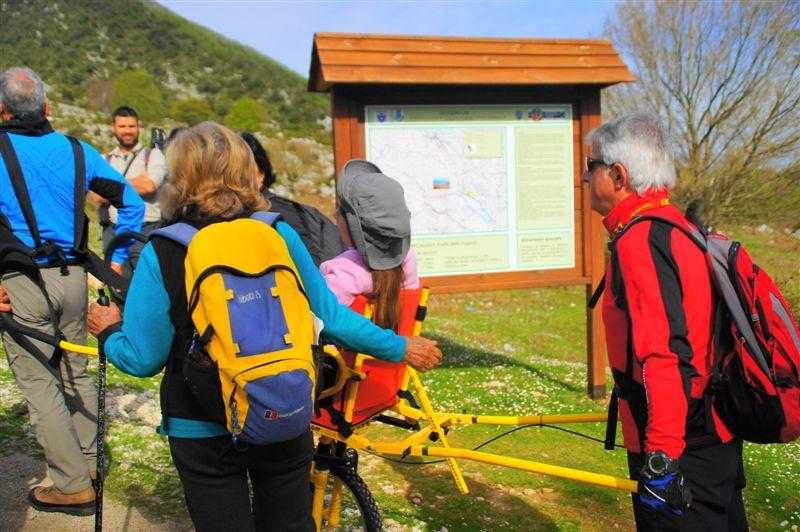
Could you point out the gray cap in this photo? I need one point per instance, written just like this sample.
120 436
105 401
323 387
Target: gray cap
375 209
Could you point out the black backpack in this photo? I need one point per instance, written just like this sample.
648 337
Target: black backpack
319 234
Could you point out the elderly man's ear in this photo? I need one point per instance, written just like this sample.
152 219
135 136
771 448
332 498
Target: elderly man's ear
619 174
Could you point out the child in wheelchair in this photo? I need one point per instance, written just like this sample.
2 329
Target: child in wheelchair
376 276
376 225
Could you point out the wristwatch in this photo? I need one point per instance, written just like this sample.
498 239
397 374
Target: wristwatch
659 464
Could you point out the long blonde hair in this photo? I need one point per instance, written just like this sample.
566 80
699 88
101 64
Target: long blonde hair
213 169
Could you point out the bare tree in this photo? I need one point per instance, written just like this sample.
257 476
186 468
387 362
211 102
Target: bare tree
725 78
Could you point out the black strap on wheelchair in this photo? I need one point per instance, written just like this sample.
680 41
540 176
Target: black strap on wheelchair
408 396
343 427
397 422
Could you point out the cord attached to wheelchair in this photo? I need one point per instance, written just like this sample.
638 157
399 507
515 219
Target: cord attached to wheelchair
487 442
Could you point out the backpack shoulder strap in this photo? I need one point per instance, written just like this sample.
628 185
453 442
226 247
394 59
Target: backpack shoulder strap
78 243
696 236
699 237
124 172
718 255
601 286
19 186
269 218
182 233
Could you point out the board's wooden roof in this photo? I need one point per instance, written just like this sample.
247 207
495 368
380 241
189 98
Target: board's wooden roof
349 58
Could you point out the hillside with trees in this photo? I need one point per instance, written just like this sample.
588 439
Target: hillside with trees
96 55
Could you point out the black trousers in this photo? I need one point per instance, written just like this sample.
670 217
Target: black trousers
716 477
214 476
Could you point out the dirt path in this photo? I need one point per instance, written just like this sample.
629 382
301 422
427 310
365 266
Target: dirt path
19 472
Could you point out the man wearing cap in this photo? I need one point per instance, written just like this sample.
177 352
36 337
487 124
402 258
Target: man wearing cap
376 225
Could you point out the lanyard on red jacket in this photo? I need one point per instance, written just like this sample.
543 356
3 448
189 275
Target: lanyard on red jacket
624 217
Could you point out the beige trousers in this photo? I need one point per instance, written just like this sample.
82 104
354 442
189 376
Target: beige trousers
62 401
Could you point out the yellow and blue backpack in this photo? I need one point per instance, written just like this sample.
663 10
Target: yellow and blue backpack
252 318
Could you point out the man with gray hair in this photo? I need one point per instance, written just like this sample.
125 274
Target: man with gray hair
44 178
658 312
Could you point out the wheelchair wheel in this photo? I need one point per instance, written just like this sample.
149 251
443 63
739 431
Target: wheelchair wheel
357 510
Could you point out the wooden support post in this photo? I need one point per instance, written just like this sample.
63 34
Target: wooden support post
594 245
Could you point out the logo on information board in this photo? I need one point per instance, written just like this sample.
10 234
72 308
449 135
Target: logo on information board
380 116
518 114
554 114
399 115
535 113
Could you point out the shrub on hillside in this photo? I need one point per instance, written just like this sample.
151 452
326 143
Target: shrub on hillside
246 114
192 111
765 196
138 90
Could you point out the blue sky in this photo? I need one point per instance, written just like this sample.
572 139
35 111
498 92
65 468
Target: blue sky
284 30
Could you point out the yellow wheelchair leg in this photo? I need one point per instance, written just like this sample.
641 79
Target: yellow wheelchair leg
319 479
335 508
429 413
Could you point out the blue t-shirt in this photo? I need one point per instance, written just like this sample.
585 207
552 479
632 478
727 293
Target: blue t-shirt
142 347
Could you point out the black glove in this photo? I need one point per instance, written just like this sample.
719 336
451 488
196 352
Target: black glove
661 485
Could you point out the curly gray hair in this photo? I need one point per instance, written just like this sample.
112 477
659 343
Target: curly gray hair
22 92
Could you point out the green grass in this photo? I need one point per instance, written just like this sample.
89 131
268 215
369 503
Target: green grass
511 352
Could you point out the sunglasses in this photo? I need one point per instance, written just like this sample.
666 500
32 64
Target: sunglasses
591 163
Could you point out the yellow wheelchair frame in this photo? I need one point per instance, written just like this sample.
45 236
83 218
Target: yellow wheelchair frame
336 455
429 440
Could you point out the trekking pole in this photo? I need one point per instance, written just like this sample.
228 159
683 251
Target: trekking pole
102 300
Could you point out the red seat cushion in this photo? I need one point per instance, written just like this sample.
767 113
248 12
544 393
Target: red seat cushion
378 391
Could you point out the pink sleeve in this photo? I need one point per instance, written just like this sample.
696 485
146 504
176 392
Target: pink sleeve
410 271
346 278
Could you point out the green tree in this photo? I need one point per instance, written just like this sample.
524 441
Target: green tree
246 114
725 78
138 90
192 111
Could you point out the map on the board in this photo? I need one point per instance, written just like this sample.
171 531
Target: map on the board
490 187
461 188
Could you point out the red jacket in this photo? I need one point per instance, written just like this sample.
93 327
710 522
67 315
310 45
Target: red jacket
658 314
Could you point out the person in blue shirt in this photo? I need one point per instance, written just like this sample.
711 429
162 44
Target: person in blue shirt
62 400
213 178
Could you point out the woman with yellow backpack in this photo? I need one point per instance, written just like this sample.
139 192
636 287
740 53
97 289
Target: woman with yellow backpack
228 302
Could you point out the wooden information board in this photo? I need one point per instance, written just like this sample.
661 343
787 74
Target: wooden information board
486 137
